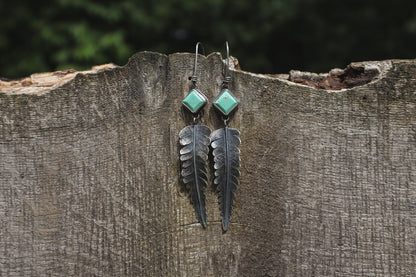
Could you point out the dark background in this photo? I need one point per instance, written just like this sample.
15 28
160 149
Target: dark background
266 36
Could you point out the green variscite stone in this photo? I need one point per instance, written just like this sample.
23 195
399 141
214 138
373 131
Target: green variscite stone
226 102
194 101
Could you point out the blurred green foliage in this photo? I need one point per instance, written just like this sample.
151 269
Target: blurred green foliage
268 36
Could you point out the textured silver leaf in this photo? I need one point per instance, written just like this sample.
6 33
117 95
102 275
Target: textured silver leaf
195 142
225 144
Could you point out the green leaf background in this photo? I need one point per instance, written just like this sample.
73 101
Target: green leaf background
267 36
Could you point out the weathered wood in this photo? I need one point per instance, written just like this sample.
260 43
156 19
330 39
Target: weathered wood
89 174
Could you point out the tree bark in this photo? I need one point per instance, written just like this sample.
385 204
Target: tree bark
90 186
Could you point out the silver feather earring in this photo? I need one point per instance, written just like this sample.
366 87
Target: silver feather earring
195 141
224 143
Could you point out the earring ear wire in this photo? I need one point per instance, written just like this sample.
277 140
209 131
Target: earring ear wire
227 78
194 78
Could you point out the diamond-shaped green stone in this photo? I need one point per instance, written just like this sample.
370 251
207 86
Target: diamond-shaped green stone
194 101
226 102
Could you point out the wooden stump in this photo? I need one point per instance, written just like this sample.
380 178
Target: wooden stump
89 173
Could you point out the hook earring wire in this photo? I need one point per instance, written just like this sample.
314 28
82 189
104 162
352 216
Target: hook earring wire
227 72
194 78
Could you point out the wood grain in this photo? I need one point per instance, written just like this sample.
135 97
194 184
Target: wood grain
89 175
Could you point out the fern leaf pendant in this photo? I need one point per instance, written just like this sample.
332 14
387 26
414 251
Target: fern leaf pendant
226 153
195 140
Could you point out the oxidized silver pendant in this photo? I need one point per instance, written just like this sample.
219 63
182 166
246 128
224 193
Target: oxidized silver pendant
194 155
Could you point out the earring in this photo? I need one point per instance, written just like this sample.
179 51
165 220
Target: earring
225 144
195 141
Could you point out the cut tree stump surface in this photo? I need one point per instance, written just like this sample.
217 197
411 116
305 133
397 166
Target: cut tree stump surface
89 172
